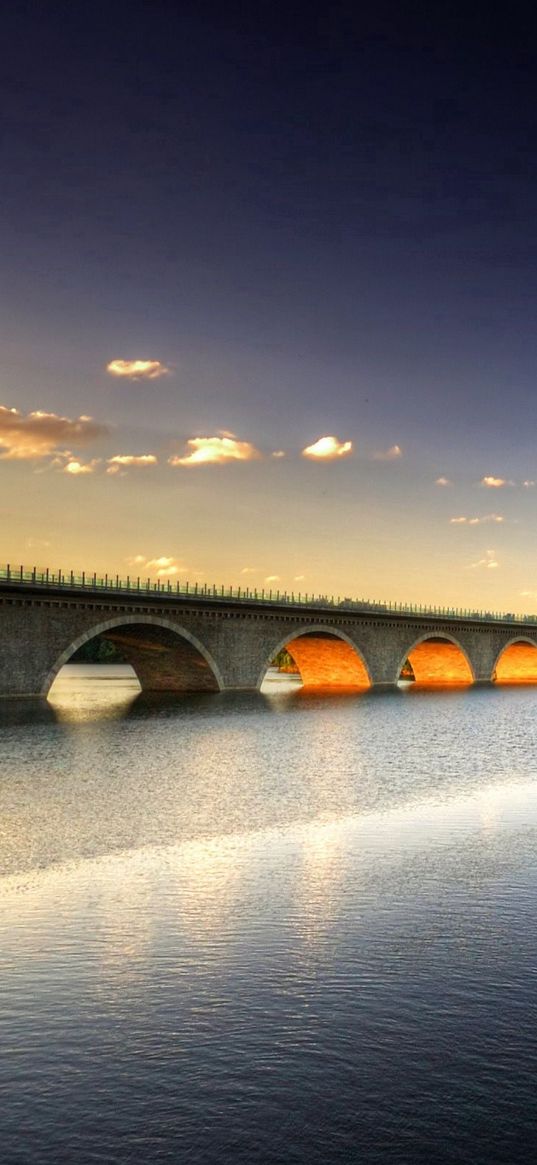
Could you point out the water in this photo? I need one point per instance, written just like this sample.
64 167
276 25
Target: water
271 928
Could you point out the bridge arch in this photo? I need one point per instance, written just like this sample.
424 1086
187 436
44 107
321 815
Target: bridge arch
438 659
325 657
189 666
516 662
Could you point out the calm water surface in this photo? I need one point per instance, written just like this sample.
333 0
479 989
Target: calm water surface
272 928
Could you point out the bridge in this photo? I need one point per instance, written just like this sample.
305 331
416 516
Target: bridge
184 639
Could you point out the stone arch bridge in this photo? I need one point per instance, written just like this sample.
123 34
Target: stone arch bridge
179 642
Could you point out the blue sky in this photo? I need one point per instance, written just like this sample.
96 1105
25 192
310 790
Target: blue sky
318 222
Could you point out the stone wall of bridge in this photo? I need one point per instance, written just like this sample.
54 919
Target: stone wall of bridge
194 646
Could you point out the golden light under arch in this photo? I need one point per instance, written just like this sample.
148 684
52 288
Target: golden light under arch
516 663
438 660
325 658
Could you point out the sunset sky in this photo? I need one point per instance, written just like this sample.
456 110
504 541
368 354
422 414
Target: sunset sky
269 296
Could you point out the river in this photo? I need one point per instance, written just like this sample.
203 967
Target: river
275 927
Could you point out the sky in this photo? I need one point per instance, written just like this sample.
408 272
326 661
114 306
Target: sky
269 278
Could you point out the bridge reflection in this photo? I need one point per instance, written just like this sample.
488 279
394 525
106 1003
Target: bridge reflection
106 692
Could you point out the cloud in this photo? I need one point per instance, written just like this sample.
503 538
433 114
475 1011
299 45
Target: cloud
327 449
278 453
390 454
443 481
489 562
31 436
299 578
137 369
77 468
249 570
529 484
462 521
528 594
495 482
271 578
123 461
216 451
164 566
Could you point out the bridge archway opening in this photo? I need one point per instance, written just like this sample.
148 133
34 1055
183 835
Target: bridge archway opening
517 663
436 661
318 659
160 656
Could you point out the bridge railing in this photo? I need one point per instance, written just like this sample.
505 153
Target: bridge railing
166 589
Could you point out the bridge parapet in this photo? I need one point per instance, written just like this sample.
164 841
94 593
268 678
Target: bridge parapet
114 584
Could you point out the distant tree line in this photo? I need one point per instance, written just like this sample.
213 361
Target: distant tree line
285 663
97 651
100 650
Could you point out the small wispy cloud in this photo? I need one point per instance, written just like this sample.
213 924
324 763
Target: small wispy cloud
327 449
37 543
123 461
529 484
489 562
272 578
391 454
165 566
76 468
486 518
299 578
33 436
443 481
137 369
495 482
278 453
216 451
528 594
249 570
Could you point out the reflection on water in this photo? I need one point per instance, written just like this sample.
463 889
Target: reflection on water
26 710
277 927
93 691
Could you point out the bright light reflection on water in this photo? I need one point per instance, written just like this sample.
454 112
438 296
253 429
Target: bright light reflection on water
283 927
